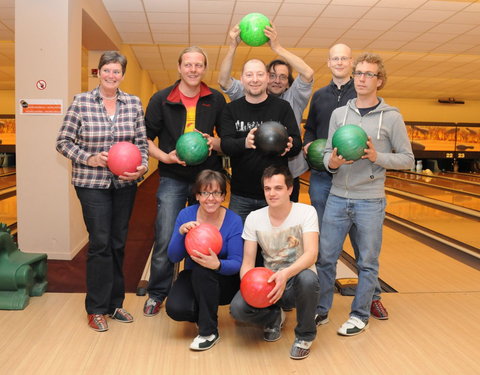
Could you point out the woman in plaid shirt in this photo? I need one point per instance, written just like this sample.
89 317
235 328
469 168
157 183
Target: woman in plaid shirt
94 122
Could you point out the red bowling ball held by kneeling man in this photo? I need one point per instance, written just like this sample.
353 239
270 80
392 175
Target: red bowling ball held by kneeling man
202 238
124 157
255 288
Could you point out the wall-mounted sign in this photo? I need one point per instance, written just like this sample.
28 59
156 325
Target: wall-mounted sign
41 84
40 106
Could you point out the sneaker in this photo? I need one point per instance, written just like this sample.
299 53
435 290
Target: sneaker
321 319
204 342
274 332
151 307
300 349
353 326
121 315
378 311
97 322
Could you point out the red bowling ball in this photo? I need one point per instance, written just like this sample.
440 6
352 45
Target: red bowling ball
254 287
202 238
123 157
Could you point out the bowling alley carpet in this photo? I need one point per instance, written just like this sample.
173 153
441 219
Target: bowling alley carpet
69 276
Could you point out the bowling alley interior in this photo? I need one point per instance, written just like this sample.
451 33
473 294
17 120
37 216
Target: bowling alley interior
430 257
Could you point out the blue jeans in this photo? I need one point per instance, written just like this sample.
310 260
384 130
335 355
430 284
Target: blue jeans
340 215
242 206
106 213
301 292
172 196
319 190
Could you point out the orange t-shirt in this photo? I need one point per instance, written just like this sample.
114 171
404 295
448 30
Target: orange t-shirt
190 104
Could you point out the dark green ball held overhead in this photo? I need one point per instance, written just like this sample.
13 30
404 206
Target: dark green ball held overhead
315 154
350 141
192 148
251 29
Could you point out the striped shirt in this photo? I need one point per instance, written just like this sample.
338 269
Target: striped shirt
87 130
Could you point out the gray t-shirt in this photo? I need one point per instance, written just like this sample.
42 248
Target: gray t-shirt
297 95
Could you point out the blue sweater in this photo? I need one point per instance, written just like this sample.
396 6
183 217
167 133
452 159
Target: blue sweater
230 256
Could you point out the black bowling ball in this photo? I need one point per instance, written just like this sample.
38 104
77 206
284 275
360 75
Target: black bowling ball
271 138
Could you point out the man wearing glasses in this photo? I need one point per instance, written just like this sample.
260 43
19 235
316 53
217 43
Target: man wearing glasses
357 196
280 83
336 94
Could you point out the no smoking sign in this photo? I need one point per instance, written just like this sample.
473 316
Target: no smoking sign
41 84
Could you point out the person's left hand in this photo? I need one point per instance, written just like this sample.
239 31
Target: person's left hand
209 139
280 280
289 146
370 152
208 261
271 33
131 176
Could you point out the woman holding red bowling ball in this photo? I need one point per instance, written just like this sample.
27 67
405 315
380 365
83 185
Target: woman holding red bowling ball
208 280
94 122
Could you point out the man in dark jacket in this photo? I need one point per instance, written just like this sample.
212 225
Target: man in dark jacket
188 105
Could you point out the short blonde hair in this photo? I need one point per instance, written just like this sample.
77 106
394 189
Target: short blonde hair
192 49
373 58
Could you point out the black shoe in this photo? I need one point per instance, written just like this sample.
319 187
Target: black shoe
320 320
274 332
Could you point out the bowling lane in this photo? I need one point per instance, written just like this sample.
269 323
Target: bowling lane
435 180
458 227
474 177
411 266
430 190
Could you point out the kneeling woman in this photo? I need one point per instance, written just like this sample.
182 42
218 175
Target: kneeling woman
207 280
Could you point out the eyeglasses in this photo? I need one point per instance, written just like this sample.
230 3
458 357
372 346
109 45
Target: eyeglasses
206 194
281 77
365 74
337 58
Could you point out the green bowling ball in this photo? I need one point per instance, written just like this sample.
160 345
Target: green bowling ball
251 29
350 141
315 154
192 148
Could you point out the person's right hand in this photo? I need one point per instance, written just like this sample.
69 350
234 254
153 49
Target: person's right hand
184 228
250 140
174 159
98 160
337 160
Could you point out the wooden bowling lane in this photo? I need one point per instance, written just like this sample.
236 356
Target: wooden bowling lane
447 223
473 177
410 263
425 186
435 180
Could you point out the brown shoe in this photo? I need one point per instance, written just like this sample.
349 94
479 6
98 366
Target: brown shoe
97 322
378 311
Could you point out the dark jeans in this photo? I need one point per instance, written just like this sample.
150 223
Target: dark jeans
301 292
296 190
106 213
196 295
172 196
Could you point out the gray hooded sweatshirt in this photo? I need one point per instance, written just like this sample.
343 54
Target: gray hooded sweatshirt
364 179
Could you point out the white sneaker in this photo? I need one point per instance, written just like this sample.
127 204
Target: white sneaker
353 326
204 342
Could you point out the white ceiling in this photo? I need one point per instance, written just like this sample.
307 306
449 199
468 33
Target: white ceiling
431 48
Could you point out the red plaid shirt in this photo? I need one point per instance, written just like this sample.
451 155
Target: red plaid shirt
87 130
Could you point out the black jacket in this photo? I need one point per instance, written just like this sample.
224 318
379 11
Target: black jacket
324 101
165 118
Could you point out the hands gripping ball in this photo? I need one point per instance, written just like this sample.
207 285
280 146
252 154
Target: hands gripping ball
315 154
254 287
124 157
192 148
203 237
251 29
271 138
350 141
